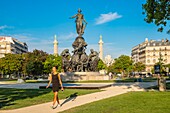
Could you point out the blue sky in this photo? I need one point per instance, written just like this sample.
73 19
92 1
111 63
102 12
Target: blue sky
35 22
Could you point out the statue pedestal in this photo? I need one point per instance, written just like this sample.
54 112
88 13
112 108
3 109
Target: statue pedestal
162 84
83 76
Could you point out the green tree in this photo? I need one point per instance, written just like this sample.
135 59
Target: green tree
34 62
157 11
101 65
11 64
110 68
123 64
52 61
27 63
161 63
2 71
39 55
139 66
167 68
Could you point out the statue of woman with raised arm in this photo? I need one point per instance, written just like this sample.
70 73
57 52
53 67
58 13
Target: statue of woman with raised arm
80 26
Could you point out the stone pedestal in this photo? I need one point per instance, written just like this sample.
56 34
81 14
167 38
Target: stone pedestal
19 81
83 76
162 84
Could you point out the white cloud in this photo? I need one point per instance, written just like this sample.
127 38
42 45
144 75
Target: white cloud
67 37
46 44
5 27
107 17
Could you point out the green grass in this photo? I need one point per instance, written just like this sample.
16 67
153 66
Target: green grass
2 79
133 102
18 98
35 81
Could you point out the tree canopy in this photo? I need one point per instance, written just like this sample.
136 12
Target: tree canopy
52 61
123 63
37 62
101 65
139 66
157 12
11 64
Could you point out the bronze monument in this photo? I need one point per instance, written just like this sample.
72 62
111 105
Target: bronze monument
80 22
79 61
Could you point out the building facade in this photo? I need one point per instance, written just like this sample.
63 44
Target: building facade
149 53
108 60
11 45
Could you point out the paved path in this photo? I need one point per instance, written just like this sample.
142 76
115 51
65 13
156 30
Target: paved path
36 85
116 89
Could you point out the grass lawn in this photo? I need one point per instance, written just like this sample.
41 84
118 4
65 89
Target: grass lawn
35 81
8 81
1 79
17 98
133 102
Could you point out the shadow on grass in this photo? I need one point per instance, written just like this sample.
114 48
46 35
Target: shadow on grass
8 95
72 97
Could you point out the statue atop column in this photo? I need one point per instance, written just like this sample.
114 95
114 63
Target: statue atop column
79 61
80 22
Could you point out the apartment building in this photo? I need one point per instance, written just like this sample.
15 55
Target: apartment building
11 45
148 52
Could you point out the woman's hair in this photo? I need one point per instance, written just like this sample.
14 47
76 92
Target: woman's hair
56 67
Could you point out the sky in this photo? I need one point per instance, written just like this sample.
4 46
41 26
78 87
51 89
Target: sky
120 22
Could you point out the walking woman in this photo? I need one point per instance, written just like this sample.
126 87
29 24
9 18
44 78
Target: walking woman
56 83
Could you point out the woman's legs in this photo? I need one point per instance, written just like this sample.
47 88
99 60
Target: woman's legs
56 98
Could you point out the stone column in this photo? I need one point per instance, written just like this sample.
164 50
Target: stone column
101 48
55 45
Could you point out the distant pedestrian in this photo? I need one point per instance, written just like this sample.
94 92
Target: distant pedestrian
110 75
56 83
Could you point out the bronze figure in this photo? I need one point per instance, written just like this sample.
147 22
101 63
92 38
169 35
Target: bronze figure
79 61
80 26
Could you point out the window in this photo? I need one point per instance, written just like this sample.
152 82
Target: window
148 70
154 60
148 61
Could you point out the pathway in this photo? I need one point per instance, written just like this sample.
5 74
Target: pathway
116 89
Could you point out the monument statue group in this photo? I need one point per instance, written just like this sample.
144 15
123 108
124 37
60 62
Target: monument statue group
79 61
